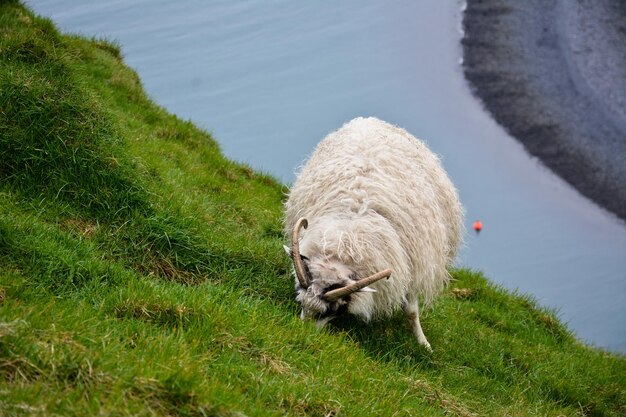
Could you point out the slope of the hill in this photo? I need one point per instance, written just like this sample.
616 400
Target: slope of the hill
141 273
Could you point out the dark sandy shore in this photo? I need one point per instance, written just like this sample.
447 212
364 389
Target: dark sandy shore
553 73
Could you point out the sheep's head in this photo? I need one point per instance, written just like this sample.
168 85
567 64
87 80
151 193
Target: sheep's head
325 287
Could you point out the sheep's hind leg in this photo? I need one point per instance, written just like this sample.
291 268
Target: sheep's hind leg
412 313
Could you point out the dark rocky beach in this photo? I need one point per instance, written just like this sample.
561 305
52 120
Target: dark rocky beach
553 74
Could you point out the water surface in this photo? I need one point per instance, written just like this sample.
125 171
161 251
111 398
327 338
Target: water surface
271 78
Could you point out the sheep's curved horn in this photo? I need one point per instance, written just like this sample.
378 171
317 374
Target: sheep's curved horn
355 286
301 273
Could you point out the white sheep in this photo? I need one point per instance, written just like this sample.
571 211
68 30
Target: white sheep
376 199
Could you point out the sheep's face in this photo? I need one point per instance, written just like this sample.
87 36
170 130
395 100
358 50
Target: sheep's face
325 276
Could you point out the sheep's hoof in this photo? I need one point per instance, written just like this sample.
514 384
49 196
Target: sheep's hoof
426 345
422 341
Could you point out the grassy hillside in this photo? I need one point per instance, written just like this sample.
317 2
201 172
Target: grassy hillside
141 273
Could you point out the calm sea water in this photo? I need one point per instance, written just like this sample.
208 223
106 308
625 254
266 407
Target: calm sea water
271 78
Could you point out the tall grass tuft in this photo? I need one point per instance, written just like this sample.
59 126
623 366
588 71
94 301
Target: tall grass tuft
56 141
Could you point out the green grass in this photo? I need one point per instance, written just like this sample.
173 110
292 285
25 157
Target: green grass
141 273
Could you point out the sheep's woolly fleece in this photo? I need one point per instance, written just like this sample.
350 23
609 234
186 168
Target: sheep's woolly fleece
375 198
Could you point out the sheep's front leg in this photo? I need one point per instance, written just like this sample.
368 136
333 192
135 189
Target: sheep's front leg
412 313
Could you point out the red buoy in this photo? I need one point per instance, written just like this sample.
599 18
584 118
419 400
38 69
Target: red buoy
478 226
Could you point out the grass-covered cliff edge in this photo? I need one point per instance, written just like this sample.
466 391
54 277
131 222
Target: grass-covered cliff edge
141 273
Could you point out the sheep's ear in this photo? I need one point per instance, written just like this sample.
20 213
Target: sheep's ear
367 289
290 253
